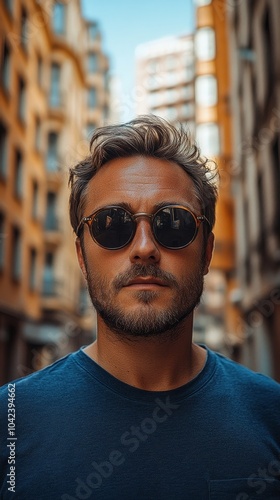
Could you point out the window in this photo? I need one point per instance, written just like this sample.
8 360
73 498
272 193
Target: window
16 254
171 63
3 150
35 199
92 31
171 79
155 81
187 92
24 29
21 99
189 72
206 90
207 136
6 67
48 275
52 152
59 18
205 45
105 112
169 113
2 239
92 62
107 80
92 98
38 133
32 269
55 95
9 5
171 95
39 71
153 66
18 174
90 129
51 221
153 99
187 110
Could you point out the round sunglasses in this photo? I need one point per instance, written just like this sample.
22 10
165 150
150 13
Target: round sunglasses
113 227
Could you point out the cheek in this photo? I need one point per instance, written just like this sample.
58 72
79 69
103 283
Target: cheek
108 264
183 262
105 264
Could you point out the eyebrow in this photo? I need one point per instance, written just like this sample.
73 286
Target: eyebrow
127 206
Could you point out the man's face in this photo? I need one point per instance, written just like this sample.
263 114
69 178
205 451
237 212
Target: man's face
143 289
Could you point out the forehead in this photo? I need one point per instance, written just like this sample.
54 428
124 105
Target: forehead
142 182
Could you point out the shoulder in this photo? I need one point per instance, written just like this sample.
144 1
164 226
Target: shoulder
244 374
247 386
44 380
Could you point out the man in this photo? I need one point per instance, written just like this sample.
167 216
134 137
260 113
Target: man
143 412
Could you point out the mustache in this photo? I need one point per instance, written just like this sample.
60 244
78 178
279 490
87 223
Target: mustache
141 270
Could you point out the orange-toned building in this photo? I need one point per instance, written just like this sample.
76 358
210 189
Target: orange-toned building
47 85
186 79
214 135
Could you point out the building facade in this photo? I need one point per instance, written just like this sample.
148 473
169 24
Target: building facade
185 79
255 56
213 119
52 68
164 79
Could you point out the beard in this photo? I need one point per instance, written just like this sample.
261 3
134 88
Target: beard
148 321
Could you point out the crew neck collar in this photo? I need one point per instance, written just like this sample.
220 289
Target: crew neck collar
130 392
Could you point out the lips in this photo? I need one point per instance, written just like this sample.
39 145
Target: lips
140 275
143 281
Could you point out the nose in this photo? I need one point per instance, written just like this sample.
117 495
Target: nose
143 247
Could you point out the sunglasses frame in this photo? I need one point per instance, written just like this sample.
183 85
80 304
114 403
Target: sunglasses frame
89 219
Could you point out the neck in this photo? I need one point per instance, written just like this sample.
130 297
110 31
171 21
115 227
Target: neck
154 364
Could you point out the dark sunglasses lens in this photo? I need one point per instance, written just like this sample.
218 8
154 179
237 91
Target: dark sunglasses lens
174 227
112 228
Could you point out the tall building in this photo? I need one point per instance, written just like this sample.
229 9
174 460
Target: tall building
97 80
255 56
218 316
164 79
185 79
52 90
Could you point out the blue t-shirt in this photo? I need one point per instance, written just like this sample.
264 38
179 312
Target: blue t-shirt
80 433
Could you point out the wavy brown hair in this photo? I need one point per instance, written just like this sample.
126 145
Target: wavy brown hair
146 135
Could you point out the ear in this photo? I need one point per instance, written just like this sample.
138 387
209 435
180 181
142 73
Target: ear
81 257
208 252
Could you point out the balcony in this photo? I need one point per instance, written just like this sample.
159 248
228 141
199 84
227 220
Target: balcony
54 165
52 296
53 232
56 105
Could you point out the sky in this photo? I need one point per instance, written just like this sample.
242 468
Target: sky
124 24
